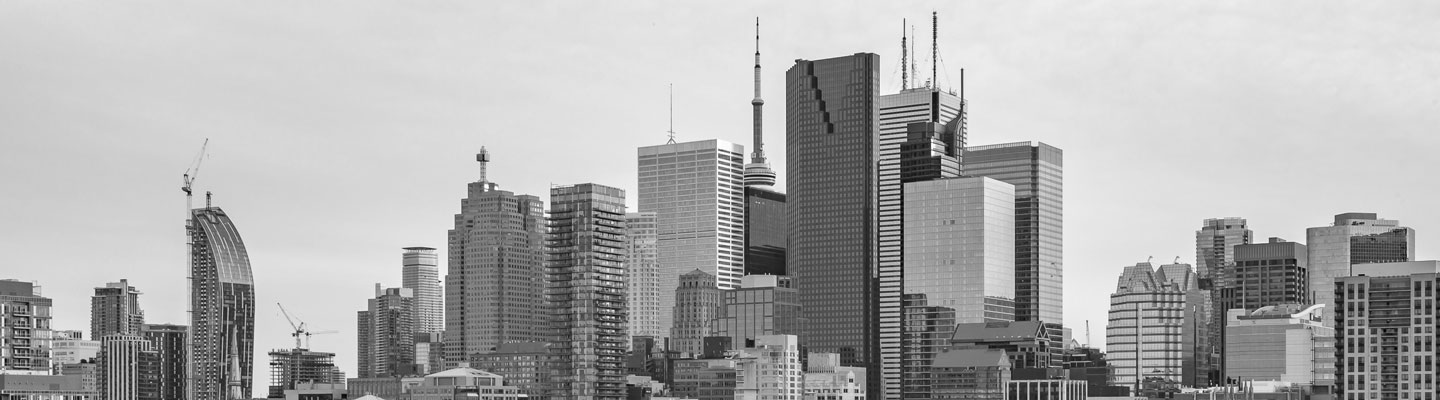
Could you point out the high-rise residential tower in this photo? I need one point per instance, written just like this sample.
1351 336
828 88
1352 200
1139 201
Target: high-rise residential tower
585 250
697 193
386 334
24 327
642 276
420 272
1036 170
222 309
831 124
168 341
114 309
1385 331
1355 238
494 288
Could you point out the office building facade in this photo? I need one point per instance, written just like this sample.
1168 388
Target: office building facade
1354 238
1155 311
643 294
1215 243
585 249
420 272
977 373
386 334
832 119
168 342
222 304
126 360
495 280
1278 343
697 302
1036 171
959 246
765 237
524 366
764 305
697 192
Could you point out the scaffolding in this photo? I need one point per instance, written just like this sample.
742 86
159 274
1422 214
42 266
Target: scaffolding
289 367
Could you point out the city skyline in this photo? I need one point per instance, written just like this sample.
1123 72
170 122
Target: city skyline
295 181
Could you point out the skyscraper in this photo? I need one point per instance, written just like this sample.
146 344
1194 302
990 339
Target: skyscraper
222 308
960 246
1214 254
1162 299
765 236
25 327
1355 238
421 274
585 249
386 334
696 303
168 341
494 288
1385 330
114 309
830 145
642 276
1036 170
697 193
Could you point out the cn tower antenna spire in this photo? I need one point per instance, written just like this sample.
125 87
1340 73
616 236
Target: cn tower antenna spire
758 172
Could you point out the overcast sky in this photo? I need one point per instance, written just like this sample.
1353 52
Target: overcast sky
343 131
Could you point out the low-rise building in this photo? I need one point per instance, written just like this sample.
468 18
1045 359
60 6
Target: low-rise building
825 379
44 387
1279 343
464 384
704 379
972 374
770 370
522 365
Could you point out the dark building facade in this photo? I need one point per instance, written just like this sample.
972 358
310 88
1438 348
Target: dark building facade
830 129
222 304
168 341
585 248
386 335
522 364
1036 170
765 236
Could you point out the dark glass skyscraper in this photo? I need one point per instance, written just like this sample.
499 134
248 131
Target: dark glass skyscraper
585 249
830 142
765 240
222 309
1036 172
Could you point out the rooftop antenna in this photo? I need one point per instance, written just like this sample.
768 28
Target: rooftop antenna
672 113
914 65
904 57
483 157
935 48
1087 333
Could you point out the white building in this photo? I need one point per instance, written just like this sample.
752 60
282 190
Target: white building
420 272
770 370
642 277
697 192
466 384
825 379
1278 343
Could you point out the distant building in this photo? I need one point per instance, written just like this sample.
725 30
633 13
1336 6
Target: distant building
704 379
24 327
763 305
770 370
1215 250
522 365
1047 389
44 387
429 353
495 280
643 295
464 384
395 387
1258 275
420 272
114 309
88 375
168 341
301 369
1026 343
125 362
386 334
585 248
1037 172
222 304
315 391
697 302
1387 316
1169 300
1278 343
1354 238
71 351
825 379
1088 364
973 374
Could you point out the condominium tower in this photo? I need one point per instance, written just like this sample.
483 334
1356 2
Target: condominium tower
585 252
386 334
1385 331
168 341
420 272
1036 170
830 126
642 277
222 304
114 309
24 327
494 286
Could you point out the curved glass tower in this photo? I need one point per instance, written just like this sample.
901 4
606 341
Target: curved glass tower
222 304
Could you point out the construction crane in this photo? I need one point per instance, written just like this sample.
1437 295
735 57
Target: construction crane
307 336
299 329
192 173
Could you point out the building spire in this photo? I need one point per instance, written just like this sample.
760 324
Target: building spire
672 115
904 57
758 172
935 49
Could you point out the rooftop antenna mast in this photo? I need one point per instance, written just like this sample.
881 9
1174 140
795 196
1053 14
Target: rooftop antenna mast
672 115
935 49
904 57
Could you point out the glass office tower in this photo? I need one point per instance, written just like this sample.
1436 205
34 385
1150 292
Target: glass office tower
1036 170
830 143
1355 238
222 304
765 240
585 249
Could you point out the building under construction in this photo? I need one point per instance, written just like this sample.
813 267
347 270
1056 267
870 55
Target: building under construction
291 367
